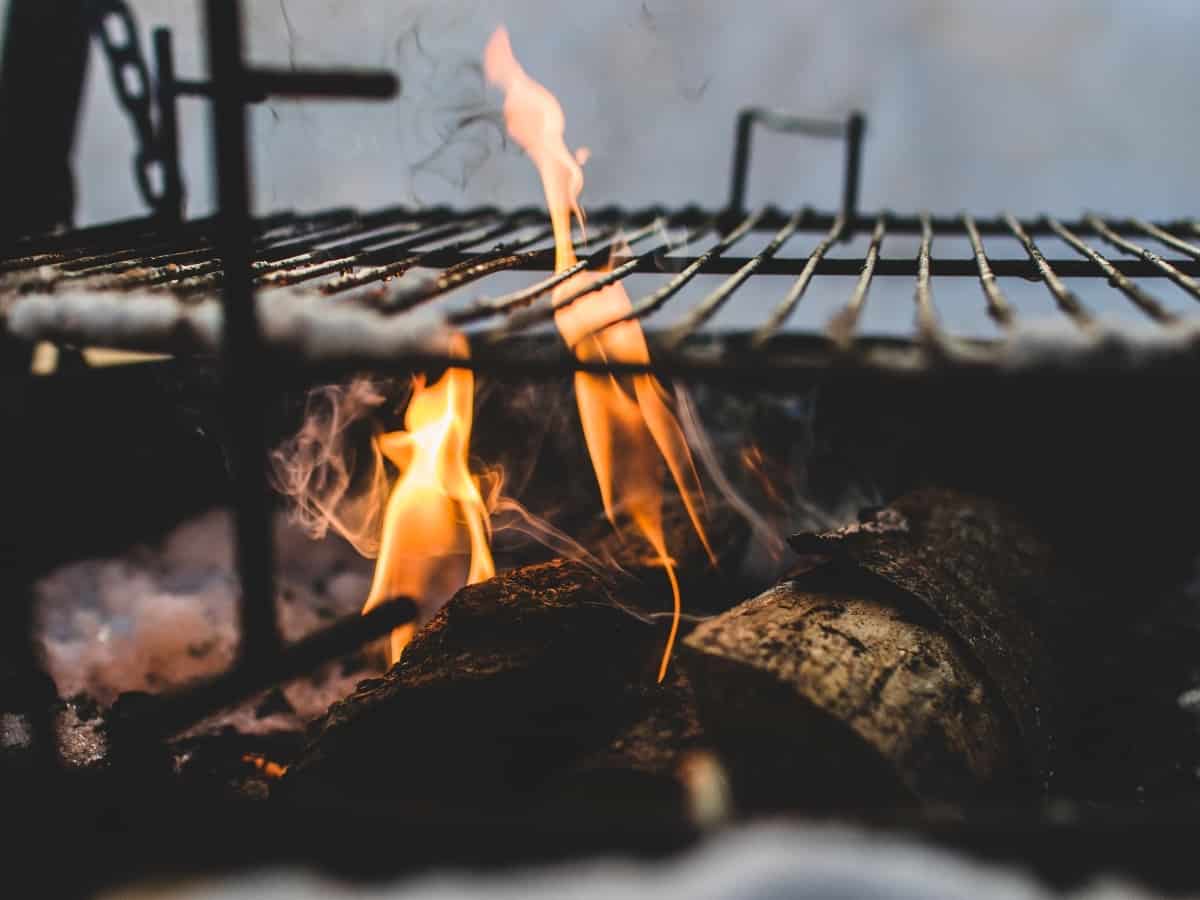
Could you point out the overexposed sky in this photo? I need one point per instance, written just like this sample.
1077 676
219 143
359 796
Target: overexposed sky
1022 105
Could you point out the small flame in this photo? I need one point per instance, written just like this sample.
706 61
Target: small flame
436 532
628 425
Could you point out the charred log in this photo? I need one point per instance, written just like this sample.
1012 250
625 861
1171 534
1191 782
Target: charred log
529 691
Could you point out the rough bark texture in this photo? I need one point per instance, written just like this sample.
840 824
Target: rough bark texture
985 573
521 684
836 692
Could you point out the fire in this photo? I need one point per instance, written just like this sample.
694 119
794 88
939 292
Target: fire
436 531
631 432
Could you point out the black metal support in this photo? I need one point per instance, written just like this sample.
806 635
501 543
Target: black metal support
168 125
253 85
244 360
851 130
191 705
856 126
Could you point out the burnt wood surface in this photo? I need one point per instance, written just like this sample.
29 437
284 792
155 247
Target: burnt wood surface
983 572
522 689
833 693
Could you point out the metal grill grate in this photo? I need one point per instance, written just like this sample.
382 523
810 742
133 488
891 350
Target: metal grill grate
410 272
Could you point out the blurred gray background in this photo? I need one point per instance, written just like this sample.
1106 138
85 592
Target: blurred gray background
1022 105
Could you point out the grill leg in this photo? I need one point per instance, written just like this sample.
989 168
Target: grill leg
245 359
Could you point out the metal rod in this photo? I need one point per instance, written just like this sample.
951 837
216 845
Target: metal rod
390 268
522 318
167 133
843 324
796 291
997 306
1166 237
706 308
1173 272
780 121
656 299
374 85
1147 304
1063 296
197 702
927 325
856 126
242 346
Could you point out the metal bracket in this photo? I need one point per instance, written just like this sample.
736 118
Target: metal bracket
256 86
851 131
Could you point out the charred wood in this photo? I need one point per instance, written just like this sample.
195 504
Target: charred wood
533 690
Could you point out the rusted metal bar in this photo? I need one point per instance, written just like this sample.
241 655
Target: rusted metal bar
927 325
655 300
1147 304
707 307
842 326
997 306
1070 304
796 291
1170 270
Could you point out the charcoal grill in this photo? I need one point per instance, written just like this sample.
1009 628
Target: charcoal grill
318 295
341 290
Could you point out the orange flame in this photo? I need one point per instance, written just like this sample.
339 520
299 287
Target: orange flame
436 532
629 428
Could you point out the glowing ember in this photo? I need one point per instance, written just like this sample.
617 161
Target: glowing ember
626 420
436 532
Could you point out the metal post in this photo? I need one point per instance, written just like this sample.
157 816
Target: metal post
168 125
244 357
741 161
855 126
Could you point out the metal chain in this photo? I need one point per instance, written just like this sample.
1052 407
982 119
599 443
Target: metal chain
113 24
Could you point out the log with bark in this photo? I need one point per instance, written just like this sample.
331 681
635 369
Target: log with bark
902 664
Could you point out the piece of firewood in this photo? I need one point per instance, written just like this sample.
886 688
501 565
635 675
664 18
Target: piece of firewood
986 574
904 662
835 696
520 684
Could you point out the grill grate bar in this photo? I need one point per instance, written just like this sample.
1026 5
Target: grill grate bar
387 265
705 309
795 293
513 303
1146 303
1166 237
841 327
201 268
529 317
1067 301
1186 282
504 256
365 250
997 305
927 322
656 299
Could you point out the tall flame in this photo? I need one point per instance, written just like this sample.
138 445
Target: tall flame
436 531
629 428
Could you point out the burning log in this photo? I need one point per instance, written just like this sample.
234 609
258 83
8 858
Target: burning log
902 666
524 689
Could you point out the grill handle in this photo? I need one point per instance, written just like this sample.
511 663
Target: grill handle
851 131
